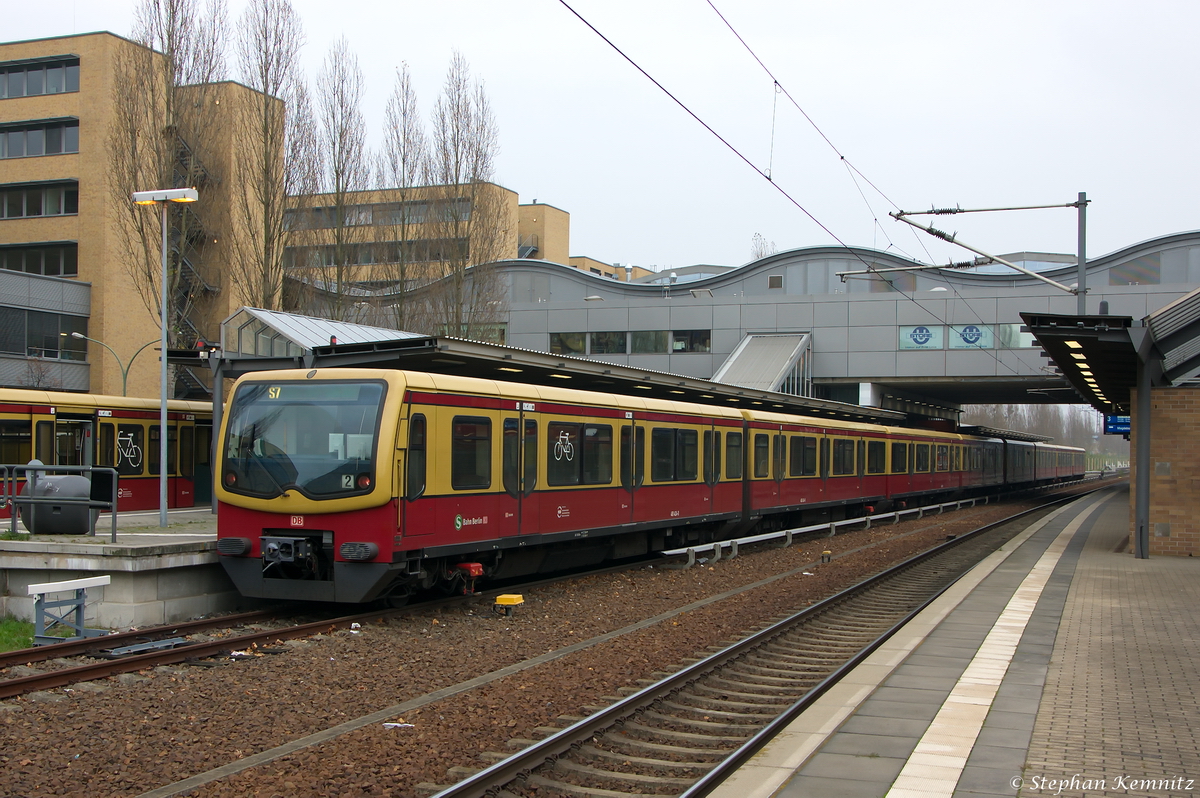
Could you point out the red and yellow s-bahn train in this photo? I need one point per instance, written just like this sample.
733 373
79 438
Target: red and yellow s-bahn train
74 429
351 485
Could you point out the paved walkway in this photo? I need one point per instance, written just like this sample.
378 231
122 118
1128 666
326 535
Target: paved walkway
1060 666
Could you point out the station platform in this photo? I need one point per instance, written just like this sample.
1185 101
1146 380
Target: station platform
159 575
1061 665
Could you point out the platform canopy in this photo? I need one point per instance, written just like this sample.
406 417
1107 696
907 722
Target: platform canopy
1099 354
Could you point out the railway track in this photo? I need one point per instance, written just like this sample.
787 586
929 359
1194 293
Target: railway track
682 734
184 650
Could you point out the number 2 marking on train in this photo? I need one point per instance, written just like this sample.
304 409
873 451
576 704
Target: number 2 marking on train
347 481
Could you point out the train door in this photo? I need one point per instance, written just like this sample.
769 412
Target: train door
202 478
72 440
417 512
183 443
520 449
633 458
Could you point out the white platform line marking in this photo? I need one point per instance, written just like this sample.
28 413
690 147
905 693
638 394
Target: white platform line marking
937 762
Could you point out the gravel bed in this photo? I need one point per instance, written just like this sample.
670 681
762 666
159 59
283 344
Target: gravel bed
125 735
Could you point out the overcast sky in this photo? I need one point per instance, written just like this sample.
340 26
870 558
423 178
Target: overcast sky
935 103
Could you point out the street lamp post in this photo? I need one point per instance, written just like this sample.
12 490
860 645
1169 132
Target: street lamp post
162 197
125 367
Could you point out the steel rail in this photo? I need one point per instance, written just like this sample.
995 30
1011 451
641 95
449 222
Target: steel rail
75 648
488 781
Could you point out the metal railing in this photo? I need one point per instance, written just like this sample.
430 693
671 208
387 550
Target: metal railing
27 502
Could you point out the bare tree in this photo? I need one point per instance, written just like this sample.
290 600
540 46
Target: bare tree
162 129
400 165
760 247
467 216
342 137
268 48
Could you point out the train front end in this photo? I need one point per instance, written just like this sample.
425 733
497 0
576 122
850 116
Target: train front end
306 476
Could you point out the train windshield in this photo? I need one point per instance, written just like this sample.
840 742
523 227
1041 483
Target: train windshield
315 437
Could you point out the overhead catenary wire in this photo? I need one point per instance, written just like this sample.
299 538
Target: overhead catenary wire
765 174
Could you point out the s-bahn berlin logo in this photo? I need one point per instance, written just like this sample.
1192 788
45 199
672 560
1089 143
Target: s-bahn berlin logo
921 335
971 334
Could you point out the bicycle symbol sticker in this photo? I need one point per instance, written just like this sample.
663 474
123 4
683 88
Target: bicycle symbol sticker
563 447
129 450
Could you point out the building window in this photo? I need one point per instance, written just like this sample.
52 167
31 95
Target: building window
607 343
17 202
774 281
51 260
40 138
568 344
33 333
691 341
44 77
648 342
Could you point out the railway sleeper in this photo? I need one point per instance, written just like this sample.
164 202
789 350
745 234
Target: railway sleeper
568 767
794 661
704 703
576 791
655 733
700 726
777 687
798 661
736 718
759 699
599 754
782 676
617 743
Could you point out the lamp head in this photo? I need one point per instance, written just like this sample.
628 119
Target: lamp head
165 195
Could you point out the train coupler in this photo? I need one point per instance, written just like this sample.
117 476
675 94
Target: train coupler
469 571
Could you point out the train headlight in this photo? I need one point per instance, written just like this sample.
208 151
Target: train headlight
230 478
358 551
364 481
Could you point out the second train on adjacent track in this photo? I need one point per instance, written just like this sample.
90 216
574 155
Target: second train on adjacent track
352 485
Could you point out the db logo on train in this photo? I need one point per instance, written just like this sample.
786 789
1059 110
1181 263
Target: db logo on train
297 520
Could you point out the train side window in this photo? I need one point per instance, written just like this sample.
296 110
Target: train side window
876 457
899 458
597 454
843 457
943 457
779 457
687 454
187 452
958 458
44 450
415 482
762 455
662 454
131 449
862 457
796 456
471 453
106 450
712 457
708 458
922 457
172 448
15 442
510 456
154 450
716 454
564 444
824 457
531 436
633 451
733 455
